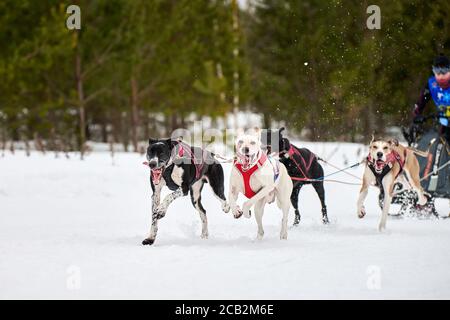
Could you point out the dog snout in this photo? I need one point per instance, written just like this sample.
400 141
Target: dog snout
153 164
245 150
380 155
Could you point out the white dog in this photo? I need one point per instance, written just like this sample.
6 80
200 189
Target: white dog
261 179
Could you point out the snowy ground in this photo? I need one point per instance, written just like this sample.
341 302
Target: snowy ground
72 229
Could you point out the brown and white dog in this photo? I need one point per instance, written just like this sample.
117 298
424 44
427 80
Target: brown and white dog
384 164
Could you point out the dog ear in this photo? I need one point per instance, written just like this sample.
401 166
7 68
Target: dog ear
393 142
373 139
171 142
285 145
174 143
239 132
257 132
280 137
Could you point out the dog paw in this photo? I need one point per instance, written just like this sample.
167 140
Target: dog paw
226 207
283 236
148 242
325 219
260 236
160 214
362 213
423 202
237 213
381 227
296 220
204 235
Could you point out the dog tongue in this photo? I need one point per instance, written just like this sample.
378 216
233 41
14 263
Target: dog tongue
156 176
246 161
379 164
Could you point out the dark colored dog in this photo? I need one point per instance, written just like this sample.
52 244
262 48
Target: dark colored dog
182 169
302 166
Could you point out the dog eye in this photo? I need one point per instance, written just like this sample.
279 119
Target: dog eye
253 143
240 142
385 148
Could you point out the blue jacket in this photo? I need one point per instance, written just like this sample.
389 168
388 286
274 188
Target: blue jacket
441 98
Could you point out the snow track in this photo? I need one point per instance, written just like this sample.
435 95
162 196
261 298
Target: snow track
72 229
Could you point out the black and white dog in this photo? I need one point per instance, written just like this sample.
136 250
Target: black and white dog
182 169
302 166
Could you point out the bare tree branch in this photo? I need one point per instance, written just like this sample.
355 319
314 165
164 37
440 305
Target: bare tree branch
95 94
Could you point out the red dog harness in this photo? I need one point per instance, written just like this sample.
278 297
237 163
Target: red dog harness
294 151
247 174
185 151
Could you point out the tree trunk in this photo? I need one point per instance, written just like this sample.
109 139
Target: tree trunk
182 121
147 126
173 123
235 17
81 108
166 127
134 112
315 102
27 146
38 143
115 126
104 132
54 142
369 120
3 131
124 129
111 147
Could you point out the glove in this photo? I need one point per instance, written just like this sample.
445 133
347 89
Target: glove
419 119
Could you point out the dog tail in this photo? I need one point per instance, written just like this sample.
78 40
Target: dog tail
420 152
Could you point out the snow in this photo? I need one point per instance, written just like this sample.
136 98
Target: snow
72 229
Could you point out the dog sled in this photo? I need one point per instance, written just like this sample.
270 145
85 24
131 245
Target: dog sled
434 173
